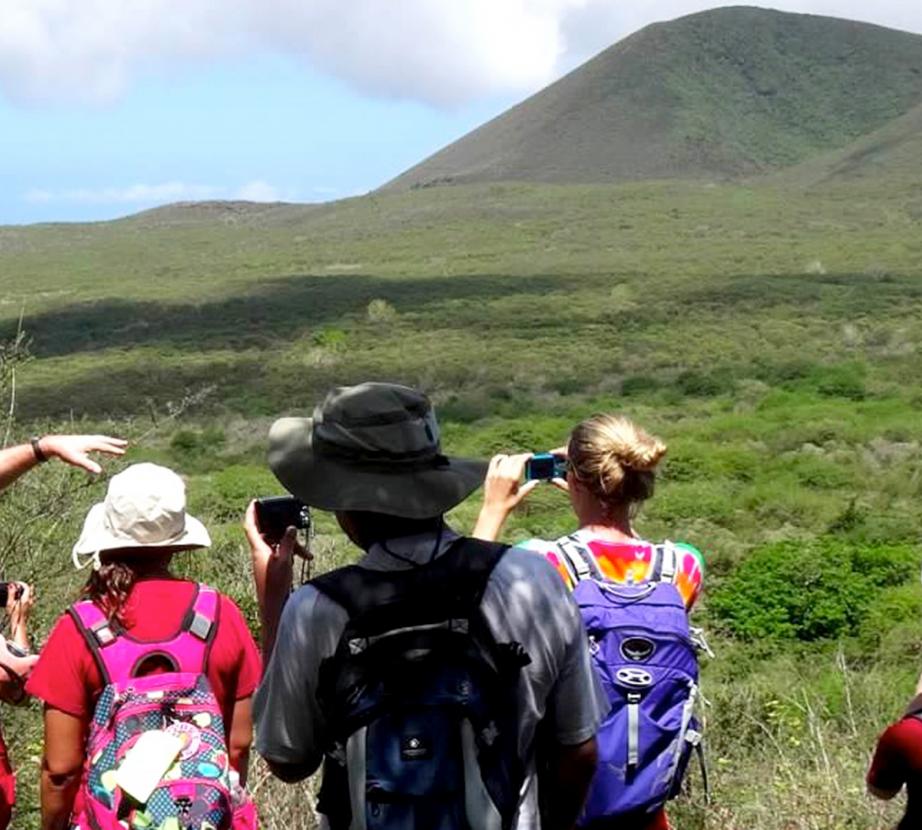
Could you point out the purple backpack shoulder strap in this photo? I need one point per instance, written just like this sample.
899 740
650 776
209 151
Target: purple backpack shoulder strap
119 656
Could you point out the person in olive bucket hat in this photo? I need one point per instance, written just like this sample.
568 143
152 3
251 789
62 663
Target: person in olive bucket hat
374 448
372 455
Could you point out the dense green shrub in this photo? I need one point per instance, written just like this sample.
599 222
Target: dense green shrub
188 442
782 373
808 590
224 494
705 384
332 339
892 608
841 382
639 385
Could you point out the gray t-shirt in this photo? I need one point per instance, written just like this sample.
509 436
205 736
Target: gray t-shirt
525 601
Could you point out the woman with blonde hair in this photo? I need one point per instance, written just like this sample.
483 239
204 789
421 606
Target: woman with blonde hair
611 468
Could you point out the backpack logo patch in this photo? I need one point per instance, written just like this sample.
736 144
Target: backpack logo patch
414 748
638 649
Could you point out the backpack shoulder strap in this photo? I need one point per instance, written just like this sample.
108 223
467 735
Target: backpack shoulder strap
119 656
475 559
580 562
192 645
666 562
99 634
345 586
914 710
201 620
453 581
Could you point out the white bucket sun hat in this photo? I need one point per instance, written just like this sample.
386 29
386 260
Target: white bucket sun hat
145 507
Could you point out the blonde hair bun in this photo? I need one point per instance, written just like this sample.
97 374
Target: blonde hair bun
615 457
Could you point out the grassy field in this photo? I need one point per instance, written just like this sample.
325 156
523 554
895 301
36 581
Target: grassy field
769 334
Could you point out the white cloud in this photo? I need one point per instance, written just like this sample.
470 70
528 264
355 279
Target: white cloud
438 51
155 194
258 191
595 24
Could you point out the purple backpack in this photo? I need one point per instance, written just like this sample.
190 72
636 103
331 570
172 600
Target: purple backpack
642 649
197 792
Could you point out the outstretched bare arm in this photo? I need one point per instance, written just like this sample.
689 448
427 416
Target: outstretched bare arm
71 449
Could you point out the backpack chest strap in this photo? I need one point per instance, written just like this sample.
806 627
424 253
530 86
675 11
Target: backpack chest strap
119 656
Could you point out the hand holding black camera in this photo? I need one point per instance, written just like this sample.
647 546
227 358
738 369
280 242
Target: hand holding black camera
11 591
17 598
271 526
275 514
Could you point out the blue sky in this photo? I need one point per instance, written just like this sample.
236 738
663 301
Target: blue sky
263 129
108 107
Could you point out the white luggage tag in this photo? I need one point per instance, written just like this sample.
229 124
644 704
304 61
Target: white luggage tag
145 764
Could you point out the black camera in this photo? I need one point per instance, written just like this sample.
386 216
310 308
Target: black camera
275 514
7 588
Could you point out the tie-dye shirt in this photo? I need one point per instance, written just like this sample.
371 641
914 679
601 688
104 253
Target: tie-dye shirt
629 563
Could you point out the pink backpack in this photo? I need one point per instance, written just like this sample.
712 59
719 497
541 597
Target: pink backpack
198 792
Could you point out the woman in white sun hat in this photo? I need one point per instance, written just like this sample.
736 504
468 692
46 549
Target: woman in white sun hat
129 540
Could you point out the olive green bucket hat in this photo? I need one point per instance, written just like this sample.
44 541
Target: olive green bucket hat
372 447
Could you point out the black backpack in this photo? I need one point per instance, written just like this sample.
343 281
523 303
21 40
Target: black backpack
419 700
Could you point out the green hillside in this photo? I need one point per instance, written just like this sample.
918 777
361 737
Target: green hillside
159 306
715 95
886 157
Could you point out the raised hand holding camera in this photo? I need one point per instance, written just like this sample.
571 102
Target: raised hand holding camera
275 514
503 490
273 546
18 599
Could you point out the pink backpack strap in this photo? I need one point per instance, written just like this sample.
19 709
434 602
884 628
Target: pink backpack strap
119 656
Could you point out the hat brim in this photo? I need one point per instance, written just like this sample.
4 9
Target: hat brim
334 484
97 538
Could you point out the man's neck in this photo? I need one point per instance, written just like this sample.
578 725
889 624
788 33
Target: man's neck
417 549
